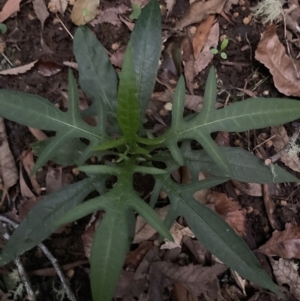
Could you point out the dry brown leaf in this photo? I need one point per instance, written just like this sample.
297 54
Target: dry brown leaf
38 134
284 69
141 3
170 4
280 141
41 11
201 35
134 258
7 162
89 233
117 58
143 231
179 293
199 11
177 231
286 272
54 179
223 139
196 248
110 15
18 70
206 56
129 24
194 278
58 6
9 8
284 244
229 210
253 189
24 189
28 164
84 11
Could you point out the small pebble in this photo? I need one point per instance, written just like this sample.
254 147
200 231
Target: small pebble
266 93
235 15
246 20
115 46
223 37
193 30
283 203
269 143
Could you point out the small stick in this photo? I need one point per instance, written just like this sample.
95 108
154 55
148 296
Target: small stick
66 29
7 59
284 150
52 259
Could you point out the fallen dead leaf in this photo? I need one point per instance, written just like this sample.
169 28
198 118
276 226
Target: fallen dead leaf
199 11
179 293
41 11
286 272
134 258
117 58
196 248
7 162
229 210
201 35
24 189
253 189
281 139
223 139
110 15
18 70
170 4
206 56
28 164
194 278
284 244
143 231
58 6
54 179
177 231
38 134
84 11
284 69
10 7
48 68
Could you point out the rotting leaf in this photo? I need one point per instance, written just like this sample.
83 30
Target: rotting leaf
18 70
10 7
199 11
41 11
195 278
281 139
48 68
229 210
285 70
286 272
284 244
201 35
7 162
84 11
206 56
58 6
110 15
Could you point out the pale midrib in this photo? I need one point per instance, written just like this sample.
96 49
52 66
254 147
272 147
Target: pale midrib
210 123
170 187
74 127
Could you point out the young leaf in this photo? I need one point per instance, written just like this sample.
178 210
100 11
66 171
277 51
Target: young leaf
128 106
146 44
237 117
224 44
110 246
97 76
40 221
216 235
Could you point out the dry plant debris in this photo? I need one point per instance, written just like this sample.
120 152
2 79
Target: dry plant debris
284 69
84 11
284 244
10 7
289 158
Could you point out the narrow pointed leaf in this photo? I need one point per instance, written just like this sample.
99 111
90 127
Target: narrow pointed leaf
40 221
100 169
217 236
146 44
96 75
245 166
128 106
110 246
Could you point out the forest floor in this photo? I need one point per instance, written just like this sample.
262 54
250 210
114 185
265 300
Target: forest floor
38 54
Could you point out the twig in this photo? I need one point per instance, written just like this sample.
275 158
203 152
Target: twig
66 29
52 259
284 150
59 272
23 275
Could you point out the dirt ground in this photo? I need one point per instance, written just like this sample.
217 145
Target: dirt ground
23 46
